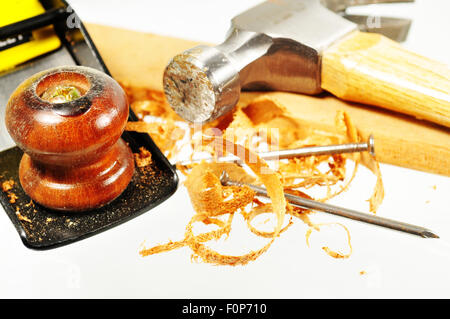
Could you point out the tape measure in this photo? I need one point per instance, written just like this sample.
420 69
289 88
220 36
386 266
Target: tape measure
24 46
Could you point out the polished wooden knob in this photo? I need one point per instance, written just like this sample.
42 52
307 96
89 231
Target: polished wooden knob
68 121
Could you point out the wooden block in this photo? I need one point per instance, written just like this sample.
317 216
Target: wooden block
140 58
134 57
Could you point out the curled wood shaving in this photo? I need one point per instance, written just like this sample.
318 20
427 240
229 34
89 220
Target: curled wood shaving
209 197
210 201
261 122
258 210
327 250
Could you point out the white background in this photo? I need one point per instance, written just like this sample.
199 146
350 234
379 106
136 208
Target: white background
395 265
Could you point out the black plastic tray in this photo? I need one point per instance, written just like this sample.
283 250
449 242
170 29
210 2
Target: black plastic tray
41 228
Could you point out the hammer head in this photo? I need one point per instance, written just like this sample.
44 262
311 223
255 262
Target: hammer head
276 45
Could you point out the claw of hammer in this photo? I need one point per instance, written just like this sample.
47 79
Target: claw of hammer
342 5
393 28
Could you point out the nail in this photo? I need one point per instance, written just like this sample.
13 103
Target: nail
340 211
368 146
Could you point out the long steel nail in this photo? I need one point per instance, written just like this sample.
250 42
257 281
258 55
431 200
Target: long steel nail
340 211
299 152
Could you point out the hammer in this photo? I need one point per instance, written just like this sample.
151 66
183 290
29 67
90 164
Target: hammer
304 46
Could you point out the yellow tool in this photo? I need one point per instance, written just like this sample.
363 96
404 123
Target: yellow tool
27 45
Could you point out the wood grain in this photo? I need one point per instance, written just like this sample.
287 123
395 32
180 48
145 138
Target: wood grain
372 69
136 58
72 162
399 139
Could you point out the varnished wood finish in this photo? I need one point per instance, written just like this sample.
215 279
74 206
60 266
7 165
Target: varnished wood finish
78 188
399 140
75 159
372 69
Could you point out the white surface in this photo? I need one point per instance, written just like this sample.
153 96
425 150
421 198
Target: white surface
108 264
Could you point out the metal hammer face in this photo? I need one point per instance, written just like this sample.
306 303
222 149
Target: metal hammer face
276 45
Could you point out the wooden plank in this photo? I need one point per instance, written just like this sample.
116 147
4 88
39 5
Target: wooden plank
139 59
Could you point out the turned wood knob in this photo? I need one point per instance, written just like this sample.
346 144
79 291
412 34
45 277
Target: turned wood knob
68 121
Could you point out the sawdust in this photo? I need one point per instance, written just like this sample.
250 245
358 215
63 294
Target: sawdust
22 217
261 122
7 187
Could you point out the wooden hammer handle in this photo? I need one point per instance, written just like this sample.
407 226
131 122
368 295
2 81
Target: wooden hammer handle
372 69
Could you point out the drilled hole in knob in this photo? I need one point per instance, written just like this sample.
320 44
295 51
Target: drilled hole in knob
62 93
59 89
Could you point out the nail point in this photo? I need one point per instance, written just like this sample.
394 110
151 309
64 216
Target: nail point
429 234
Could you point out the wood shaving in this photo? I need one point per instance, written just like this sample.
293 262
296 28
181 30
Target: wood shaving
327 250
7 185
12 198
143 158
207 196
23 218
240 132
